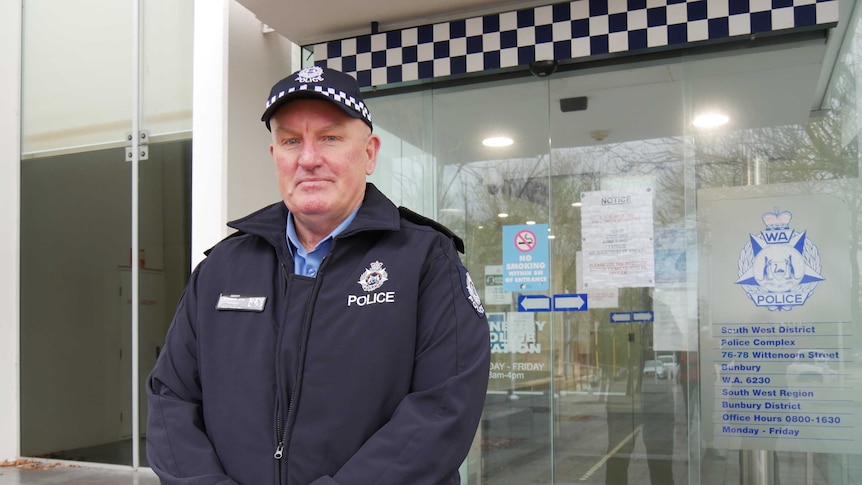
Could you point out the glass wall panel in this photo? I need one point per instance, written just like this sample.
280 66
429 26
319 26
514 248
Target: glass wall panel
164 200
75 220
76 293
76 74
166 96
77 213
619 262
778 282
78 85
484 193
620 232
405 164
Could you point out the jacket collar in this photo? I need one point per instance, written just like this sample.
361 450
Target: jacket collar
376 213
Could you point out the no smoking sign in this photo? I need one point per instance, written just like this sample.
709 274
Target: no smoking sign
525 258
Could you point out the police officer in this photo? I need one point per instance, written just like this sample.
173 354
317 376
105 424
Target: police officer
334 338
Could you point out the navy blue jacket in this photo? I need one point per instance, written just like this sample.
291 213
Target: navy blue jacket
374 372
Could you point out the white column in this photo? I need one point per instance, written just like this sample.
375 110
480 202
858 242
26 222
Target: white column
10 190
209 125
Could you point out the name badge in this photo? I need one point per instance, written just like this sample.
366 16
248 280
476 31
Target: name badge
242 303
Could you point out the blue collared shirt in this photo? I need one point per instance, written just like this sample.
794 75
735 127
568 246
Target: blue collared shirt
304 262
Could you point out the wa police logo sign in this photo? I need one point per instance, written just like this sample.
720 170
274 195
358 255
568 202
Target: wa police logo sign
780 267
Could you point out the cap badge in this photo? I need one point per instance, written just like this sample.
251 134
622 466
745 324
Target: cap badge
311 74
373 277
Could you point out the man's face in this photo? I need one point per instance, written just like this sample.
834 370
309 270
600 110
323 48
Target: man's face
322 157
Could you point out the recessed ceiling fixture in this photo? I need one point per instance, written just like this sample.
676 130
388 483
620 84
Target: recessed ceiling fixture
497 141
530 223
502 215
710 120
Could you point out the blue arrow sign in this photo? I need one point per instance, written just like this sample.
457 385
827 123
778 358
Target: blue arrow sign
534 303
642 316
576 302
621 317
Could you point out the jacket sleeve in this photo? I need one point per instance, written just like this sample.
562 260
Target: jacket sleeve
178 448
431 431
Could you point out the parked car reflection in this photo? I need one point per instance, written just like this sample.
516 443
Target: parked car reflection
670 364
655 369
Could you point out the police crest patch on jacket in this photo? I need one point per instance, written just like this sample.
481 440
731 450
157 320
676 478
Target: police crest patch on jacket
470 291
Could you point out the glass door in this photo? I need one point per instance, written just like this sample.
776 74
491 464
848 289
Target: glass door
581 363
494 186
560 224
619 197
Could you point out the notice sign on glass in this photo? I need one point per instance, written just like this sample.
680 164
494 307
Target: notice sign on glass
617 231
494 294
780 362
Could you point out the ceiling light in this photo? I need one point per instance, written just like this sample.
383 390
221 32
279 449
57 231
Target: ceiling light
576 204
551 236
502 215
497 141
530 223
710 120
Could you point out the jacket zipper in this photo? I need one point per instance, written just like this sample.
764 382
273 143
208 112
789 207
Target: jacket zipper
279 447
283 434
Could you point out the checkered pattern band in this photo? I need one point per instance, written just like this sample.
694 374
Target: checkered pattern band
332 93
568 32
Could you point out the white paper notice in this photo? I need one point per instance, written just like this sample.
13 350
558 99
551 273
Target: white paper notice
617 231
599 297
494 294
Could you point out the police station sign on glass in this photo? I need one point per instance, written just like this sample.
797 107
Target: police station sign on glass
784 374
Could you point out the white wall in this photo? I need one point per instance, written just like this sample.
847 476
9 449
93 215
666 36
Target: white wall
235 64
10 67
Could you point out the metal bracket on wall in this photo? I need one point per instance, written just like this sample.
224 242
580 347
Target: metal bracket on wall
143 149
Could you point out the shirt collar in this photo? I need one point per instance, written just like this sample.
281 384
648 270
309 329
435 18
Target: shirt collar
293 240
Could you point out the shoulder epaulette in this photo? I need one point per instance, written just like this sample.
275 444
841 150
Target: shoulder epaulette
425 221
